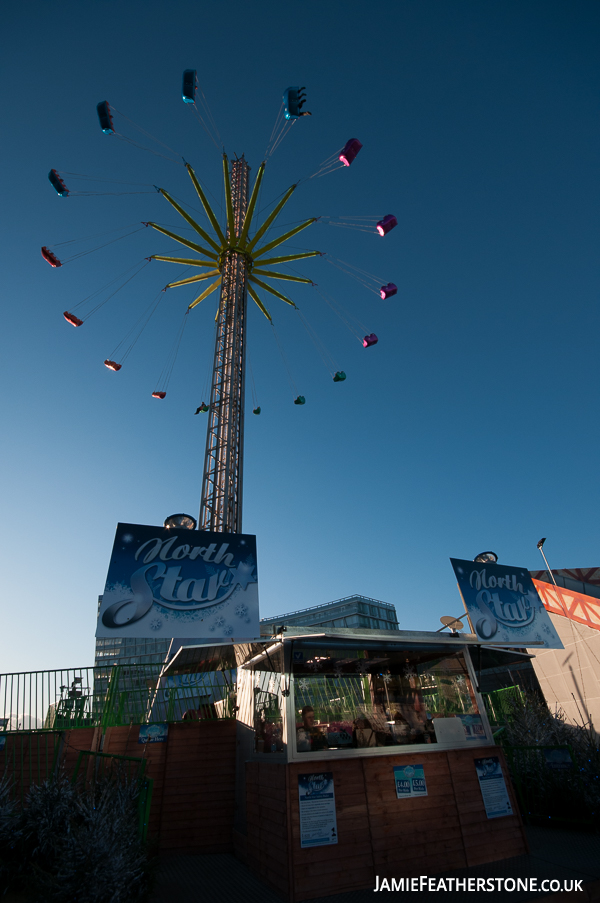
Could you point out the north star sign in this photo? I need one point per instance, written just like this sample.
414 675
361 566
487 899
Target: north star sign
503 605
184 583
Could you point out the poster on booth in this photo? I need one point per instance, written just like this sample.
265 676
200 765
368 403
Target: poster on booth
410 781
183 583
153 733
503 605
493 787
318 824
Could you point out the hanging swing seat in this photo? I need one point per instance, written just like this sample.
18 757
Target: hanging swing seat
370 340
256 410
158 394
202 409
293 101
188 91
105 117
58 184
339 377
112 365
388 290
300 400
386 224
351 149
50 257
72 319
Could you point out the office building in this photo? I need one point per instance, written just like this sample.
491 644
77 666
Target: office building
351 611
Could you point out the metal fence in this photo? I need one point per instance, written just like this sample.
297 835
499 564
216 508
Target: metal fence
499 704
548 785
94 766
111 696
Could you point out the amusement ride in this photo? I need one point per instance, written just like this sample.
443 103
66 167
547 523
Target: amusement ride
234 257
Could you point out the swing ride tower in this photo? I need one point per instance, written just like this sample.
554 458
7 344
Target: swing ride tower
222 480
237 261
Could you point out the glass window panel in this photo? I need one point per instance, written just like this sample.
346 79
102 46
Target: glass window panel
350 698
268 718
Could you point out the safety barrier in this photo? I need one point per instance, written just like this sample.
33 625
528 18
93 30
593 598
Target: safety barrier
111 696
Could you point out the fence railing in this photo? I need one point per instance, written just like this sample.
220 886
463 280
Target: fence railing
111 696
548 785
500 704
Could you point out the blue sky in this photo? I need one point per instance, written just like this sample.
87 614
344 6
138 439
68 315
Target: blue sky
471 425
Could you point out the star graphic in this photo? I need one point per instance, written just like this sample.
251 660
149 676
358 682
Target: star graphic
243 575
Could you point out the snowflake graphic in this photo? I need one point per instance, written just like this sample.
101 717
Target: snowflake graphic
241 611
314 664
337 672
219 622
361 666
156 624
409 671
228 630
303 683
386 677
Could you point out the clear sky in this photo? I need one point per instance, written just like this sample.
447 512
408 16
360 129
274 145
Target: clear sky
472 425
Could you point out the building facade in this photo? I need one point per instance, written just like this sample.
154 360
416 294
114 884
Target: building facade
570 677
351 611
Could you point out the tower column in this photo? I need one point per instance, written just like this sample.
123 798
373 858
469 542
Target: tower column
222 481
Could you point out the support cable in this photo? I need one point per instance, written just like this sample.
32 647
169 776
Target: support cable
146 133
137 329
167 371
252 384
293 385
324 354
344 316
71 241
140 264
105 245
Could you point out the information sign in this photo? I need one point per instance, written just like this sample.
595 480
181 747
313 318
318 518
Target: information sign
318 824
493 787
180 583
410 781
503 605
153 733
473 727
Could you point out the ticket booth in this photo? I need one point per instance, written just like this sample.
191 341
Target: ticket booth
363 757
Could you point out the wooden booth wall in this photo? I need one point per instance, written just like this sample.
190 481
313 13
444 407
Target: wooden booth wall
193 773
378 834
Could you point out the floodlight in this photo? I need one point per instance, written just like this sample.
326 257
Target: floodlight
180 521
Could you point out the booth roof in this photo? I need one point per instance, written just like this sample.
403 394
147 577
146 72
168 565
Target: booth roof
231 653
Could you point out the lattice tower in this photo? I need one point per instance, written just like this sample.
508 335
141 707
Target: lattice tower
222 482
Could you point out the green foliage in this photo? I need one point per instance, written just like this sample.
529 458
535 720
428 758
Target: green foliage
74 843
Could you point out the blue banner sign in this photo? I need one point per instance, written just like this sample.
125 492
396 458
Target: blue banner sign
503 605
183 583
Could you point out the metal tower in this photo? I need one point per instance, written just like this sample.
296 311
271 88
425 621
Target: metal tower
222 481
239 264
